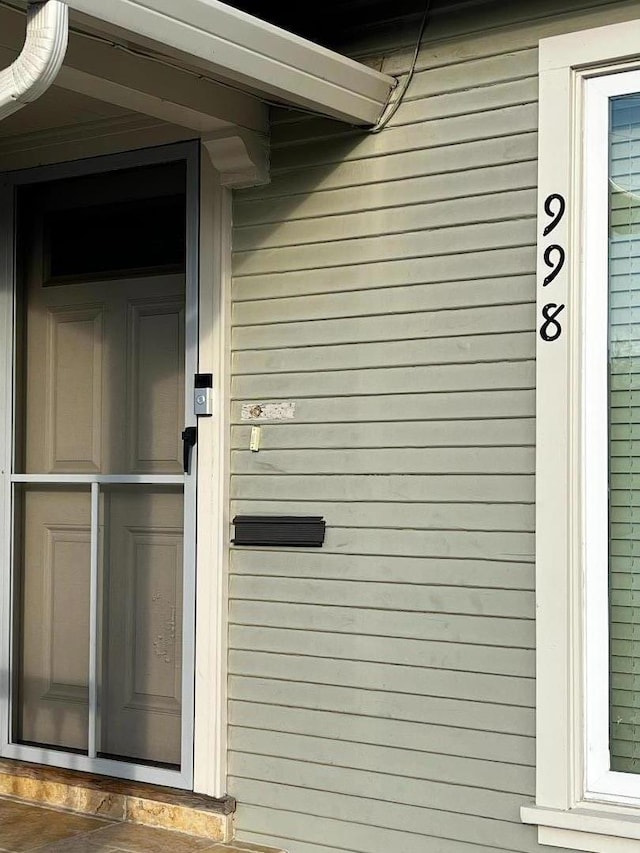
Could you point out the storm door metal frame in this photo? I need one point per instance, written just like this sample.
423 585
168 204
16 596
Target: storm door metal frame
9 480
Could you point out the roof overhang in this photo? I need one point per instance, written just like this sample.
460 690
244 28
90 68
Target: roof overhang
246 52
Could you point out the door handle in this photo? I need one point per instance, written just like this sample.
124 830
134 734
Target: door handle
189 438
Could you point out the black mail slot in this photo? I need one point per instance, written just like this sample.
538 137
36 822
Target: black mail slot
295 531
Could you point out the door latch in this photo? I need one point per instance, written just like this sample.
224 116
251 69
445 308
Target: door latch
189 438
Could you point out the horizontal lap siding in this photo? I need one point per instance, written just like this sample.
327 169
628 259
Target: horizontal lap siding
381 690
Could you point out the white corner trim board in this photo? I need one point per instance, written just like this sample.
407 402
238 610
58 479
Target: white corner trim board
37 66
246 51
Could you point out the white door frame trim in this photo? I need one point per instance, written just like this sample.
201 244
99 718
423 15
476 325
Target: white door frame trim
205 708
210 736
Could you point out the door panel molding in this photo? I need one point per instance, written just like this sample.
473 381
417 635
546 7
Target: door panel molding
67 374
141 312
55 683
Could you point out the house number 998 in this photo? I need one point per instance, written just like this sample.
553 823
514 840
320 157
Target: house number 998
554 257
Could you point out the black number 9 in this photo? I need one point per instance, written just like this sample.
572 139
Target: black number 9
557 215
555 266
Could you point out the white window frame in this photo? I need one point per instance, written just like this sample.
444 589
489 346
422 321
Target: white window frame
580 802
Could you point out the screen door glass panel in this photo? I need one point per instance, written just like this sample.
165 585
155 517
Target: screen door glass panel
53 535
102 371
140 705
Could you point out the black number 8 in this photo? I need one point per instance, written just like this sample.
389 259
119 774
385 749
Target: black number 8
551 328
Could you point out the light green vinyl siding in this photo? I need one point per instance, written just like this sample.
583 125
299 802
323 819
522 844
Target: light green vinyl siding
381 689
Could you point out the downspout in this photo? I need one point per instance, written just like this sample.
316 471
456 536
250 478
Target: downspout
38 64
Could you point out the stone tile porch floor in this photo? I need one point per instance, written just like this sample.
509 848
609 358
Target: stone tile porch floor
25 827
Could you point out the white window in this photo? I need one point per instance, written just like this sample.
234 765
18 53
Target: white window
588 443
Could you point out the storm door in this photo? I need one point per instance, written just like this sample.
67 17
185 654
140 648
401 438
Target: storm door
103 488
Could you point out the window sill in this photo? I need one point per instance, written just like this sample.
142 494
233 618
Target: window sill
585 829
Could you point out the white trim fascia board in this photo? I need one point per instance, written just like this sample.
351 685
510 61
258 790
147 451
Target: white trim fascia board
103 71
247 51
591 47
181 88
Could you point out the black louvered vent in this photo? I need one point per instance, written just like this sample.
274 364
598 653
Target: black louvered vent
294 531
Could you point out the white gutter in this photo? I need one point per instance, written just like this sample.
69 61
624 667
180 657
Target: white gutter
239 48
36 67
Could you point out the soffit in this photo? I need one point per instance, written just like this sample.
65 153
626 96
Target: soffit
242 52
